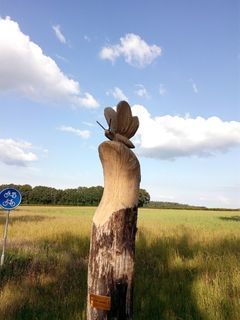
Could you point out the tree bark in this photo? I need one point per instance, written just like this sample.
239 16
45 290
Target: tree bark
112 249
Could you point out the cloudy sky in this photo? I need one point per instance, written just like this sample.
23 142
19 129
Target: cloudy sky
175 62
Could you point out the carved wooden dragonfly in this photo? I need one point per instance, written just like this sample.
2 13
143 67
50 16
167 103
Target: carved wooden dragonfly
121 124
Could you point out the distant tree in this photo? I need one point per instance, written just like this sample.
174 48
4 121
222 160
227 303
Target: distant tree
43 195
25 191
143 197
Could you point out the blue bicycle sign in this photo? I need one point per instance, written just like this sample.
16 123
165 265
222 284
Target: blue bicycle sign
10 198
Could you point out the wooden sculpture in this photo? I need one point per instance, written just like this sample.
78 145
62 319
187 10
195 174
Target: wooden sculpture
112 249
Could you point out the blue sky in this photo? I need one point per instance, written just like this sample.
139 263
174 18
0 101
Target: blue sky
177 64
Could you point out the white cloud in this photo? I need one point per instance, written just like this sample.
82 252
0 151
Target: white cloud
59 34
81 133
87 100
13 152
224 200
194 86
61 58
89 124
87 38
170 137
134 50
165 197
162 90
25 69
117 93
142 91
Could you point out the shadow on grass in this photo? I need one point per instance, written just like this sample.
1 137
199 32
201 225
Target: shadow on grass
233 218
164 285
13 219
51 285
163 291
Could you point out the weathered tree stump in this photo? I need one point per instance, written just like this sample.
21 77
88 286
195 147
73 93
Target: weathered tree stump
112 250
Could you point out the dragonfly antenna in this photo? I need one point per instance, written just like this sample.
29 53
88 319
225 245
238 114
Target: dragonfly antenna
100 125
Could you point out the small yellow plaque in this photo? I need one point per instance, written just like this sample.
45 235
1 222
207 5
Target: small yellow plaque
100 302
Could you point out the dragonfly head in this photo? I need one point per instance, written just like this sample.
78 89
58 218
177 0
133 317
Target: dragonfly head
109 134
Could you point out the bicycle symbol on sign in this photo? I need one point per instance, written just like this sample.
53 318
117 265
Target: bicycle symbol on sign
9 202
12 194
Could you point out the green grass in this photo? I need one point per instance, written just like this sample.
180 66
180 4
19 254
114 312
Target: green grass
187 264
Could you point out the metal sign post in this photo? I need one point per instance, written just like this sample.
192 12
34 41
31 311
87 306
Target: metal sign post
5 238
9 199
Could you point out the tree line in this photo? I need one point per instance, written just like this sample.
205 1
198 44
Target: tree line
81 196
88 196
173 205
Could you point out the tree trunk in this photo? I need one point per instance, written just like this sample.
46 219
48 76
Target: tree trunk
112 250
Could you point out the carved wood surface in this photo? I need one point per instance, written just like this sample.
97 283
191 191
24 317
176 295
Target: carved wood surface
111 259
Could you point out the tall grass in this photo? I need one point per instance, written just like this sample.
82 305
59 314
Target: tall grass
187 264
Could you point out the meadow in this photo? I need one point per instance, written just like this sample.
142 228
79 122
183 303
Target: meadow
187 264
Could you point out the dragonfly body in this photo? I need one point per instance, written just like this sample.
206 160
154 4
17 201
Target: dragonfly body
118 137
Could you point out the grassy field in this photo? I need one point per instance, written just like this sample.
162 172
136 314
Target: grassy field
187 264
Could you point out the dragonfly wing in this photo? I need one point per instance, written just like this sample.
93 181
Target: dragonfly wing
127 125
132 127
124 117
111 117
